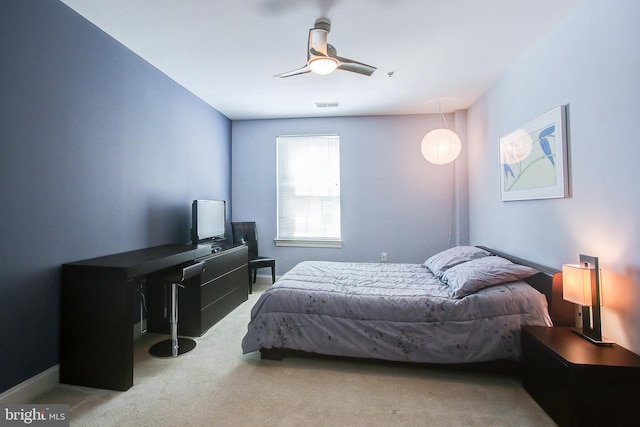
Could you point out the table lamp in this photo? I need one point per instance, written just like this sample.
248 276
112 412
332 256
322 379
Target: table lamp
581 285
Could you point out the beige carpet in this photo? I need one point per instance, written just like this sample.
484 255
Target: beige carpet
215 385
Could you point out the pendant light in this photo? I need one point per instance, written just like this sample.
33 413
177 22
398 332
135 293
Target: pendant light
441 146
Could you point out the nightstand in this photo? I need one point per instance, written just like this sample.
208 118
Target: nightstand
578 383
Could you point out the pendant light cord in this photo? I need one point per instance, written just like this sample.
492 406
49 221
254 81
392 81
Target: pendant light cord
453 182
453 197
442 117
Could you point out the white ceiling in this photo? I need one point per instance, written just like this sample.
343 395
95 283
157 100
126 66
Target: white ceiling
428 52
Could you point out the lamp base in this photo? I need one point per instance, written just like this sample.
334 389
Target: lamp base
601 342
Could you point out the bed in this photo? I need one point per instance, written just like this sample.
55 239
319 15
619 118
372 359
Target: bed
463 305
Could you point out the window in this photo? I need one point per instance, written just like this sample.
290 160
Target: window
308 190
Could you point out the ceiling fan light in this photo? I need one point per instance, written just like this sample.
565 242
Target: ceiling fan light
323 65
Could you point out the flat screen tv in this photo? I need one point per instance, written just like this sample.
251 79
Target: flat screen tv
208 221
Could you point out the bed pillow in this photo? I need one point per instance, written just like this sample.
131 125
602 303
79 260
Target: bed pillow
442 261
469 277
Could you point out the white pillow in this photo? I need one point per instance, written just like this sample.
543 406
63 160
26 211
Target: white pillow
469 277
442 261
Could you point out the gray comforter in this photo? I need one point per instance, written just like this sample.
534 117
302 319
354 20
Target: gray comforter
386 311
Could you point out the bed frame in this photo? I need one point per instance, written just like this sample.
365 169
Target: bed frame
547 282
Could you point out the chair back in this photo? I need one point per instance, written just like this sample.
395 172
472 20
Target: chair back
245 233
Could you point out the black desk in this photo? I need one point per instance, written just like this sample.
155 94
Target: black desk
96 343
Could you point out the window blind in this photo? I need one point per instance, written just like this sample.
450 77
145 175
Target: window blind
308 174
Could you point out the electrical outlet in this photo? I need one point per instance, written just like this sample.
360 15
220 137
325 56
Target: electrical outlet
384 257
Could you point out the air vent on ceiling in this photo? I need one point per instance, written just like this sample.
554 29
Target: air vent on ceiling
327 104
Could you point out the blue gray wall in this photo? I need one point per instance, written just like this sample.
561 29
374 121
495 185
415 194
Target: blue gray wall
592 63
99 153
392 199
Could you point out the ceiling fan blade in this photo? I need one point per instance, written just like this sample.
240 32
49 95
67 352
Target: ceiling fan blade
315 54
318 42
317 48
302 70
349 64
354 66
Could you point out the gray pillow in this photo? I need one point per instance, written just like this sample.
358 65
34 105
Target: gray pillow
442 261
465 279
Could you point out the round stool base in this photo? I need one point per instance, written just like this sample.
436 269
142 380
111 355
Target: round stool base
163 348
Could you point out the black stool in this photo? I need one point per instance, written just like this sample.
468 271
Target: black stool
176 346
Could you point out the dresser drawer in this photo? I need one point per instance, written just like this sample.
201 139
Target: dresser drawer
219 309
223 285
220 263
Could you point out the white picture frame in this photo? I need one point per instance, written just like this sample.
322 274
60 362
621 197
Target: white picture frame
533 159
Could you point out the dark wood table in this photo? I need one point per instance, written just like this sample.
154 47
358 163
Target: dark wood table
96 342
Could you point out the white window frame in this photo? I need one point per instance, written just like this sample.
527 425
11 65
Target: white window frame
333 236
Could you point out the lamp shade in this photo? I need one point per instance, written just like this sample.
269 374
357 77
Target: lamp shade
576 284
581 285
441 146
323 65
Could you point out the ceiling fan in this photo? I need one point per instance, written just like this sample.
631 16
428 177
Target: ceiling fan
322 58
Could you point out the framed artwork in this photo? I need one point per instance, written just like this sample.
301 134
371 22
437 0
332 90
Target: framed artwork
533 159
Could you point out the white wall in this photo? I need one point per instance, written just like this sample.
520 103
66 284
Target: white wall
592 63
392 199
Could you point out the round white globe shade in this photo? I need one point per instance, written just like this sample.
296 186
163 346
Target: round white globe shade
323 65
441 146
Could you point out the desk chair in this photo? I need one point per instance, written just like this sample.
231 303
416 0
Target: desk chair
176 346
245 233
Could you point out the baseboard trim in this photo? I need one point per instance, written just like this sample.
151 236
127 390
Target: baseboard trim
35 386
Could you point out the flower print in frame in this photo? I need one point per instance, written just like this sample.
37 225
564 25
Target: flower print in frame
533 159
